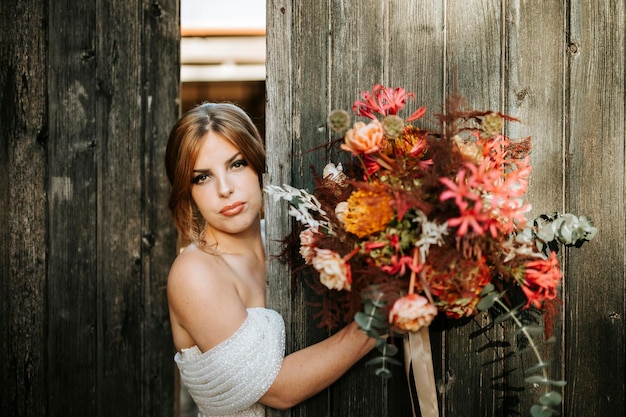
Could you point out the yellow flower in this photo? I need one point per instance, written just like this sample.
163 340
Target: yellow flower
368 212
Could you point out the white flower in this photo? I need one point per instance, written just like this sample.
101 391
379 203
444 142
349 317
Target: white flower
302 204
335 173
334 271
340 210
432 234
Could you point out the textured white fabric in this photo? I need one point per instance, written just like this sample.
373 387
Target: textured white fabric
229 379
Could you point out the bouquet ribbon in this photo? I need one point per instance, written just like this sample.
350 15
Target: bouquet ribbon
417 355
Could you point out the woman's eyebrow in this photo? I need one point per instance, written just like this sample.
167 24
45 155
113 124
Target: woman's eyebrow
226 163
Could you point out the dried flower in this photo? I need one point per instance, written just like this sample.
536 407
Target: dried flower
393 126
492 124
338 120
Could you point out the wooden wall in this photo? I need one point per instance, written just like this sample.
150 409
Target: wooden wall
88 93
557 65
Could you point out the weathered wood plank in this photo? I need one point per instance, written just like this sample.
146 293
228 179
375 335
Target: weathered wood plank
474 34
119 119
279 142
73 248
161 38
534 85
23 210
595 149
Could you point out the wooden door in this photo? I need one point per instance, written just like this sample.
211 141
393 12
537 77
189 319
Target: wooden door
558 66
89 93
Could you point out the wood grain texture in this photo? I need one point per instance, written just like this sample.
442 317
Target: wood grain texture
87 229
568 91
594 175
23 210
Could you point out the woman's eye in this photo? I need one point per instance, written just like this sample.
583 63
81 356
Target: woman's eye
199 179
240 163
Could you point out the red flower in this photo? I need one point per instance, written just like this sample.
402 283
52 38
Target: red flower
541 280
385 101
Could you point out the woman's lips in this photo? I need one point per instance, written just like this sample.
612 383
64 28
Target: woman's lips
232 209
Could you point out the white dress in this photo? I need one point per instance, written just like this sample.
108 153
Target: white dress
229 379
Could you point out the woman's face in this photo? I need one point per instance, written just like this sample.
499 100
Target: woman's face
225 187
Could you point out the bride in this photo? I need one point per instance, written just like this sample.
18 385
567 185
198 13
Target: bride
230 348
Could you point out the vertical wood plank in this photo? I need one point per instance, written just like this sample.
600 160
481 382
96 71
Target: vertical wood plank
161 51
72 271
23 210
474 33
595 152
358 51
416 62
279 142
309 60
534 86
119 149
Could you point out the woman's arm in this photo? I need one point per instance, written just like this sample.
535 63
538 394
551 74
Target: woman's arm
308 371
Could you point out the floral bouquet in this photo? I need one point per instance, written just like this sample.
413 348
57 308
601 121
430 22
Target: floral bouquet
421 223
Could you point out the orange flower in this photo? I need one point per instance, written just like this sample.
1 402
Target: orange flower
412 312
364 138
368 212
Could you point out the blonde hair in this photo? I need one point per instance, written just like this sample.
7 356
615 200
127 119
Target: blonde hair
182 151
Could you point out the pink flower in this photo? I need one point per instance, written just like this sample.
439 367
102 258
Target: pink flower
364 138
335 272
412 312
307 244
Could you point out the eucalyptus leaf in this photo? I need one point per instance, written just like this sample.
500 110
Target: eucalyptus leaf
383 373
537 379
538 367
487 302
541 411
551 398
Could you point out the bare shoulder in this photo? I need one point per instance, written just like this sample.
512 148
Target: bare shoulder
205 307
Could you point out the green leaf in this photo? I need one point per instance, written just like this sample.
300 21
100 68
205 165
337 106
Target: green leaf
487 302
487 289
383 373
368 322
388 350
552 398
541 411
536 379
538 367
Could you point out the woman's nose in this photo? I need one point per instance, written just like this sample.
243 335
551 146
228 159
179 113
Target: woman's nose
225 186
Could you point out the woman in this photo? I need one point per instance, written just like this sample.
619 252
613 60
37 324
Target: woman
229 346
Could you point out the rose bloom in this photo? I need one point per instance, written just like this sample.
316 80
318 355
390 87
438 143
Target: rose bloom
364 138
334 271
412 312
307 242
